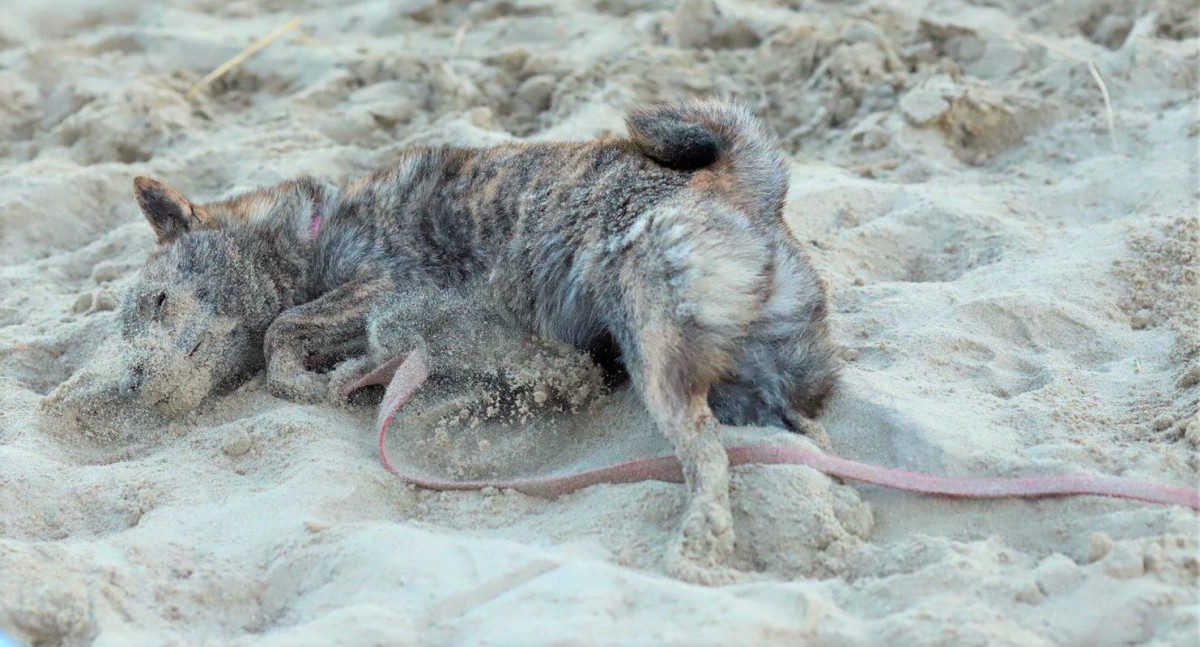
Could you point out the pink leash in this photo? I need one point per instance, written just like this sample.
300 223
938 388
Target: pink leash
409 373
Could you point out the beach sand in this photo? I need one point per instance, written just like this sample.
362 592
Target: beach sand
1014 278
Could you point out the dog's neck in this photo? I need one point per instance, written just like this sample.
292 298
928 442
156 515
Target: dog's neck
286 254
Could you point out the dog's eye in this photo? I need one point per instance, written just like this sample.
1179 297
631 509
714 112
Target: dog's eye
160 301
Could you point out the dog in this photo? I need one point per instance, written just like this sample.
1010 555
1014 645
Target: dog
666 250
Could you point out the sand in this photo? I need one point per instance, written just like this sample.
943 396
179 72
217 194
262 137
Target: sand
1014 281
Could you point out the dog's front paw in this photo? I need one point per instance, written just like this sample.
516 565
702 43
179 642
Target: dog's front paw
291 381
302 387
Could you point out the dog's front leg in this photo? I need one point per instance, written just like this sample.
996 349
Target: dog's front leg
333 327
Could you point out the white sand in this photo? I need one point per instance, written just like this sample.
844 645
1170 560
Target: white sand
1015 295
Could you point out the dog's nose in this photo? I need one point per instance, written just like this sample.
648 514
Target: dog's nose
132 382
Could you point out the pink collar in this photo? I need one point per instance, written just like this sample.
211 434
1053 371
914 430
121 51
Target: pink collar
314 225
317 219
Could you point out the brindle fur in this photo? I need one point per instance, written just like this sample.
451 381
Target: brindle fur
670 245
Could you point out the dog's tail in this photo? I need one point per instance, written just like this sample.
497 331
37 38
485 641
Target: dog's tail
719 136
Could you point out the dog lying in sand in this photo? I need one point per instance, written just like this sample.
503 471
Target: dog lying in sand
668 247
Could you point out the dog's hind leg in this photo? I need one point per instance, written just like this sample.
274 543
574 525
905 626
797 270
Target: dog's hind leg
667 372
685 292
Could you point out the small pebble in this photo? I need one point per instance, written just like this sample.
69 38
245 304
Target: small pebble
1140 319
313 526
1057 574
482 117
1154 558
104 300
238 443
537 91
871 138
83 303
105 271
923 52
1030 594
1191 432
1123 562
923 106
1162 422
1098 546
1112 31
1189 378
489 491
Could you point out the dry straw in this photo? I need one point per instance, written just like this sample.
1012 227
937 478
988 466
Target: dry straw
460 35
241 56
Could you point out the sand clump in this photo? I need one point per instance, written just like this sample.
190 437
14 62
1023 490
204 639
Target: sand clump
826 524
1164 283
541 379
1012 279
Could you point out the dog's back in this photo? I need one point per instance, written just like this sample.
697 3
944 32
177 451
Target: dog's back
687 213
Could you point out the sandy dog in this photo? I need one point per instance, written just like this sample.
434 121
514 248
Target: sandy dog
667 249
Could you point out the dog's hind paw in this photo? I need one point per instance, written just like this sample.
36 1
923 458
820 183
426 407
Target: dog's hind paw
703 551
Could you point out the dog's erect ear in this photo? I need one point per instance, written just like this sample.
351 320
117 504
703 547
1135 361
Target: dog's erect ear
170 214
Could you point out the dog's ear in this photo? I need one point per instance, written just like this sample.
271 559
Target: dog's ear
169 213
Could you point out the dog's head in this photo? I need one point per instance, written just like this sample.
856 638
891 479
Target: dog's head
194 319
